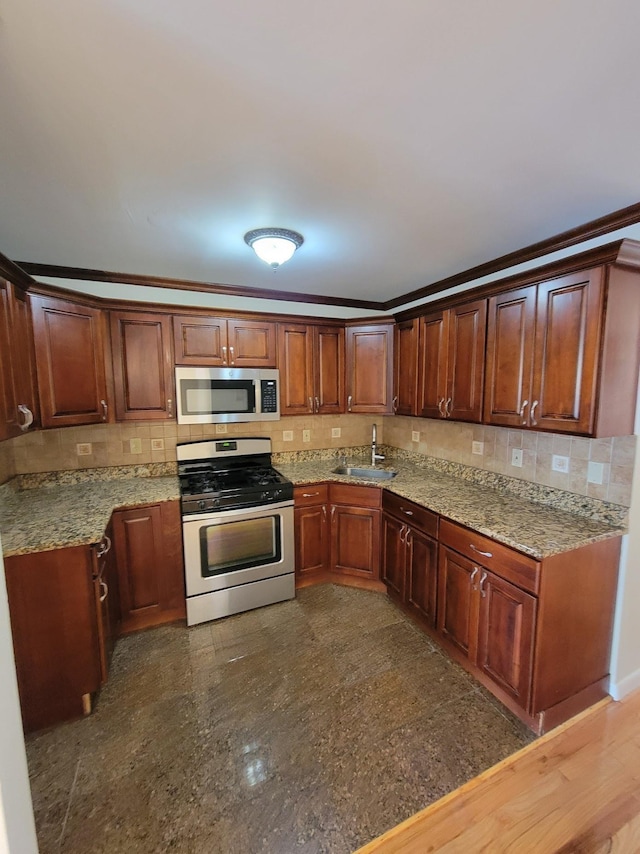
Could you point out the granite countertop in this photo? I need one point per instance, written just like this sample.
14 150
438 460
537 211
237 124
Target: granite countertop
532 528
52 517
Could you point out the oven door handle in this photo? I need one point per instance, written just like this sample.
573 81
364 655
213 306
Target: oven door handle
237 512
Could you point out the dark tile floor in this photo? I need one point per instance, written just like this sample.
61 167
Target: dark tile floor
309 726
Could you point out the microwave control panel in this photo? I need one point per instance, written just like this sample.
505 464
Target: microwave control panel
269 395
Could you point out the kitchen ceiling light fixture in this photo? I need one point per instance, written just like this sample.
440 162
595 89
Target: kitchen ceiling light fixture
274 246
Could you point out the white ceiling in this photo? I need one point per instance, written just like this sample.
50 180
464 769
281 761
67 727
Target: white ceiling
406 141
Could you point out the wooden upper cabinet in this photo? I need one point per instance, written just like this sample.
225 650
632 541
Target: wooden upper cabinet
451 371
70 362
405 367
142 366
229 342
18 397
311 362
370 368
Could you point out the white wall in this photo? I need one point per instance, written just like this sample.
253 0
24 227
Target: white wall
17 827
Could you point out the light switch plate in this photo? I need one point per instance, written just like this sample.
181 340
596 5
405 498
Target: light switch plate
477 447
287 435
595 472
157 444
415 436
83 449
336 432
560 463
135 446
221 428
516 457
306 435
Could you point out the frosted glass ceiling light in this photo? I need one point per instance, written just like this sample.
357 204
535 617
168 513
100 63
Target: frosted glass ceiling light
274 246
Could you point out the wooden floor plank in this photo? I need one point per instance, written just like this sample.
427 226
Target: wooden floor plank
577 790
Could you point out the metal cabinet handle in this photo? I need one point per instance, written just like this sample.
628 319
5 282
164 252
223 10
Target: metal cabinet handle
440 402
333 512
349 399
28 416
483 578
533 409
317 409
169 406
473 575
395 403
447 410
224 354
233 358
407 512
105 588
310 494
477 550
104 547
324 512
310 404
105 409
523 419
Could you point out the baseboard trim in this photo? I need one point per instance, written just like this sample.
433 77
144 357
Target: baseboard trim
619 690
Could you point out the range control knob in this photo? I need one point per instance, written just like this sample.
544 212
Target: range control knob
202 504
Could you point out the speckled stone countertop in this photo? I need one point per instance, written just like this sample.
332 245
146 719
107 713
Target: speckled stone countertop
72 514
532 528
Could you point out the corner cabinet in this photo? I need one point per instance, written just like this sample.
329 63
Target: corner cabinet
370 368
70 362
405 367
224 342
142 366
312 534
311 361
18 397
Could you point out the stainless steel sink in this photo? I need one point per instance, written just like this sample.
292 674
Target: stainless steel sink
366 474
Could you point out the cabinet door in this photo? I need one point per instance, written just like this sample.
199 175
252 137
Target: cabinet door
465 363
432 375
69 341
199 340
9 422
252 343
369 368
355 541
312 540
506 634
329 349
509 363
150 567
142 363
457 602
295 348
393 556
566 352
405 355
18 398
422 575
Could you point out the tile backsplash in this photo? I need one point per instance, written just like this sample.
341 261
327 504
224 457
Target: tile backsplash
608 460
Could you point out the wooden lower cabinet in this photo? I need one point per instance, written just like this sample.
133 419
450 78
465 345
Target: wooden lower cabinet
55 626
148 547
337 531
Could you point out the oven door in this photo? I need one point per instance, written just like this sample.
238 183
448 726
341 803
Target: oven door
232 547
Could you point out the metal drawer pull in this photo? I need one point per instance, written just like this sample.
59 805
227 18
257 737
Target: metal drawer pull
103 586
105 546
522 409
310 494
476 549
407 512
533 409
473 575
483 592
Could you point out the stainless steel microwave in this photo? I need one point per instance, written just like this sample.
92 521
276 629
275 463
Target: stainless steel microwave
222 395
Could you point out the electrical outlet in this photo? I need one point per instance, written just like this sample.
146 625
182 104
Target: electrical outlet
415 436
516 457
157 444
336 432
221 428
306 435
287 435
83 449
477 447
559 463
595 473
135 446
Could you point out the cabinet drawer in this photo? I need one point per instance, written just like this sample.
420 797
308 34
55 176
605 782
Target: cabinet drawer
356 496
505 562
313 493
407 511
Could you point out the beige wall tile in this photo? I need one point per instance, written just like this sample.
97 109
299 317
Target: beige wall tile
562 445
623 452
620 493
580 449
600 450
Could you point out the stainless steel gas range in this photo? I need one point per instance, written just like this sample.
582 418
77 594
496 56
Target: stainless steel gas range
237 522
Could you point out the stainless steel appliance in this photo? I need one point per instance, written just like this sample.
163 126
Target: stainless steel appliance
222 395
237 523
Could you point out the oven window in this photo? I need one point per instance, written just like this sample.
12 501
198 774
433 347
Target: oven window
206 397
239 544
